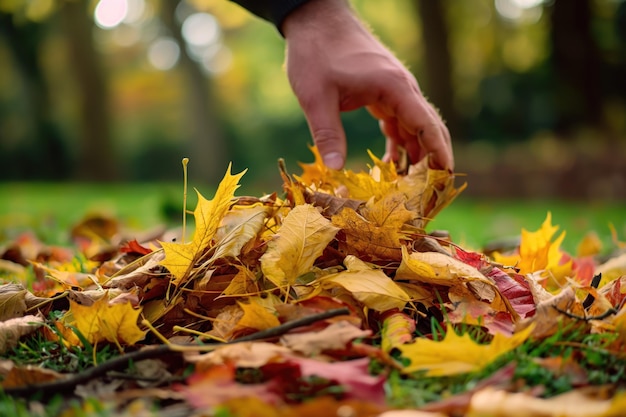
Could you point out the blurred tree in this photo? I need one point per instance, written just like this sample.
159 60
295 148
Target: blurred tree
577 65
207 138
437 61
44 146
96 160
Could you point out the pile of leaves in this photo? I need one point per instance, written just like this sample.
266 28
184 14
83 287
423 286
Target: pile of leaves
328 299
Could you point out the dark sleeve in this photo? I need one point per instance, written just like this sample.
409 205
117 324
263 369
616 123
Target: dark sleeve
274 11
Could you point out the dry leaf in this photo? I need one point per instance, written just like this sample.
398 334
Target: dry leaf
180 257
336 336
239 226
102 321
300 240
398 329
20 376
369 286
12 301
256 316
490 402
439 269
11 330
241 355
457 354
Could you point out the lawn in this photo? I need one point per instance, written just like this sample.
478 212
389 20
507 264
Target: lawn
51 210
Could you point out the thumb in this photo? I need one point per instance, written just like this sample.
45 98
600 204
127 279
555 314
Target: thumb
324 121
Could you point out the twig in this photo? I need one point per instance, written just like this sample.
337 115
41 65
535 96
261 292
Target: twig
48 389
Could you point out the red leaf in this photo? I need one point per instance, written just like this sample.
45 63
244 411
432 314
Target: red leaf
134 247
352 375
516 290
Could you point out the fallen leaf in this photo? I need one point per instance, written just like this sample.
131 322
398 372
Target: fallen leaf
11 330
369 286
538 252
548 319
429 191
457 354
240 355
21 376
12 301
353 375
256 316
439 269
300 240
491 402
398 329
239 226
219 382
102 321
336 336
180 257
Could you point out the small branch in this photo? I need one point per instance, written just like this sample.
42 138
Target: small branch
48 389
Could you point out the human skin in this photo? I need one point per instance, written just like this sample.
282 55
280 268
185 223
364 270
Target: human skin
335 64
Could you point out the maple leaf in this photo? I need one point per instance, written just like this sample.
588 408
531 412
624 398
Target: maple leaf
538 252
180 257
458 354
369 286
301 239
103 321
256 316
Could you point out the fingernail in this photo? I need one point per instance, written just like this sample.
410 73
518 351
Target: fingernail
333 160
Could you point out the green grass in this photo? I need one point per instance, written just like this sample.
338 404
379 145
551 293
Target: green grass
51 209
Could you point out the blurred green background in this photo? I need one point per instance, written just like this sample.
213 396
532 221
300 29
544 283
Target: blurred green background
119 91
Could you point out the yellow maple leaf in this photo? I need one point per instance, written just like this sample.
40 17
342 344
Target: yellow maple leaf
180 257
369 286
457 354
256 316
101 321
538 252
301 239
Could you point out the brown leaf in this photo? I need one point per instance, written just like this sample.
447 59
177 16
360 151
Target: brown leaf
12 301
334 337
11 330
29 375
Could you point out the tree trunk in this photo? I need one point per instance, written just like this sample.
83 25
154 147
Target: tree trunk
208 158
438 64
96 156
42 154
576 63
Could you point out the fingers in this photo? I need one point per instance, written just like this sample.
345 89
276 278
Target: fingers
323 116
410 121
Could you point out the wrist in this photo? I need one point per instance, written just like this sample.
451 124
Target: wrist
318 15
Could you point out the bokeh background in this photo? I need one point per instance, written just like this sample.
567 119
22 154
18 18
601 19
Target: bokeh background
533 91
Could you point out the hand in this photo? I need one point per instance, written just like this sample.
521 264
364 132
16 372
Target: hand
335 64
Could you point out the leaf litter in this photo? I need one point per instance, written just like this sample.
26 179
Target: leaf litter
327 299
